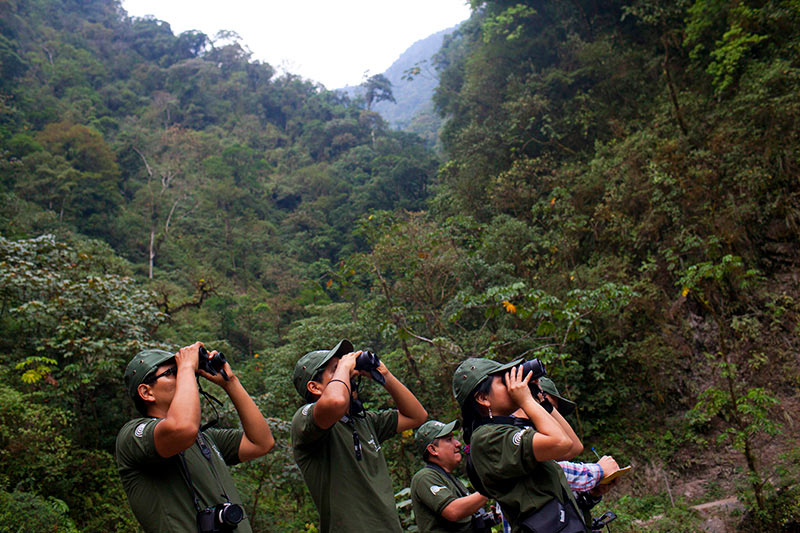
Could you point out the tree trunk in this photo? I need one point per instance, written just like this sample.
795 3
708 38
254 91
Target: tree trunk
152 251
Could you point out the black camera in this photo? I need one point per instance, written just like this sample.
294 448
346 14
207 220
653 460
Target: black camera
213 365
221 517
370 362
483 521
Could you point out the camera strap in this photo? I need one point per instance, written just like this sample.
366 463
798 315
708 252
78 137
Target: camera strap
188 479
206 451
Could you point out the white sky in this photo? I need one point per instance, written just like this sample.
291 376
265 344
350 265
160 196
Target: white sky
329 41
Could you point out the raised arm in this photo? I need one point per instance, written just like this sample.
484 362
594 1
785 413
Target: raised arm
577 446
411 413
550 440
257 439
178 429
334 401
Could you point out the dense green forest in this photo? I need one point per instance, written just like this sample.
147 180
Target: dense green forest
618 196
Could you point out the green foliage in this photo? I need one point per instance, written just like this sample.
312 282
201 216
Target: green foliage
25 511
68 328
619 199
377 88
650 513
42 466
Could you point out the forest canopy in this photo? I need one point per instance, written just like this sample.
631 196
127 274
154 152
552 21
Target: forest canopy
618 196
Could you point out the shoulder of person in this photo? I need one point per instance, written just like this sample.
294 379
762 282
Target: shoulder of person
491 434
303 412
137 426
426 472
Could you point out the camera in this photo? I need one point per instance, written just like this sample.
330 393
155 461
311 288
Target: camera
483 521
221 517
213 365
370 362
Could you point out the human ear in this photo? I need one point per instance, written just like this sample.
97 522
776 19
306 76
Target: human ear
145 392
481 398
314 387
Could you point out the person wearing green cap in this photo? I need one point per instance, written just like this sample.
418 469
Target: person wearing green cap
337 444
172 470
441 502
583 478
513 460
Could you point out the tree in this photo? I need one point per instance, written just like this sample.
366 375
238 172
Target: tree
378 89
69 328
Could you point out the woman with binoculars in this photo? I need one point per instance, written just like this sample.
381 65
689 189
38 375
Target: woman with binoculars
513 460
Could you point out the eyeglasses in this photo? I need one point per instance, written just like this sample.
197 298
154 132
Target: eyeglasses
171 371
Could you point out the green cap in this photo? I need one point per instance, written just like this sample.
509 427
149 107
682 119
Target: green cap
565 406
143 364
431 430
311 363
472 372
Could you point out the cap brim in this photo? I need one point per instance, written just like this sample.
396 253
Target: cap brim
565 407
507 366
447 429
344 347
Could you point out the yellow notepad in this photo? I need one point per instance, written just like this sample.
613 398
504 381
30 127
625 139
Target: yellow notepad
611 477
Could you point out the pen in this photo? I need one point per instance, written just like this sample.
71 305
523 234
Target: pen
595 452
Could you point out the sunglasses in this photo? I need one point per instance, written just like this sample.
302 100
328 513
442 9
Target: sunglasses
171 371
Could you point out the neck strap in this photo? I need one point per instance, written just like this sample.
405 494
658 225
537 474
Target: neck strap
206 451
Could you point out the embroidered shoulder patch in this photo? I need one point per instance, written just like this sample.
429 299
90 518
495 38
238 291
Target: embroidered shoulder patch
435 489
518 437
306 409
139 432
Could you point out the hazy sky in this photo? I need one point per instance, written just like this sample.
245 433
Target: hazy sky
329 41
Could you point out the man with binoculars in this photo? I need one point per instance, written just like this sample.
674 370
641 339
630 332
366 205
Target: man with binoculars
174 472
337 444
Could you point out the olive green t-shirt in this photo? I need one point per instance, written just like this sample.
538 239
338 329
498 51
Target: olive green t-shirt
503 458
158 494
431 492
351 495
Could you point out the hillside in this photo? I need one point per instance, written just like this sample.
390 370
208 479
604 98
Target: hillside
618 197
413 110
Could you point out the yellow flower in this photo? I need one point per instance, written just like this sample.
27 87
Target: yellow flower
685 291
407 434
255 356
510 308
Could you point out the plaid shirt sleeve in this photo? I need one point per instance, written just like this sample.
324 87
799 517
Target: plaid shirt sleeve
582 476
